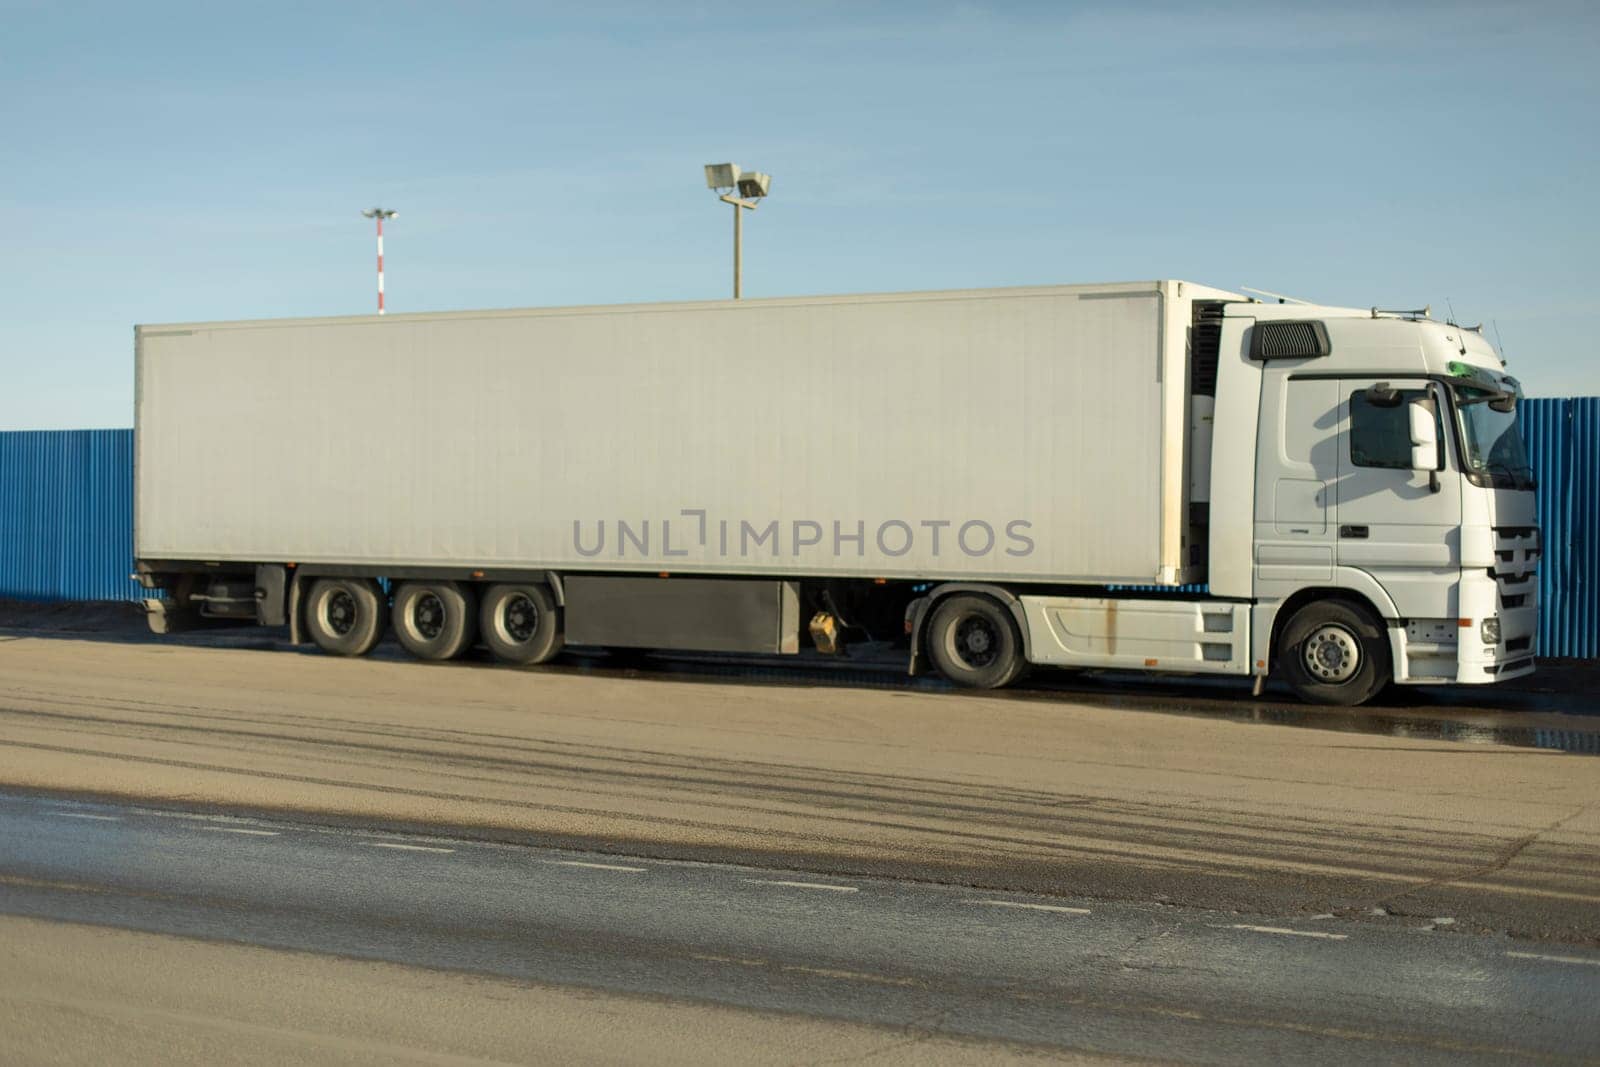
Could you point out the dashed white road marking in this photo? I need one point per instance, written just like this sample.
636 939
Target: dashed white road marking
81 815
739 960
187 816
1289 932
1030 907
407 848
848 976
239 830
597 866
797 968
805 885
1583 960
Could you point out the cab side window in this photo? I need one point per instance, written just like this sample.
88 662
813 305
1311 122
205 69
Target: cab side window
1381 436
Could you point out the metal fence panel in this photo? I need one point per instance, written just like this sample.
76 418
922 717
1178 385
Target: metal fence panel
66 515
1563 439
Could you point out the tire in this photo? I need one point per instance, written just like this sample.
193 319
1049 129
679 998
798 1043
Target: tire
345 616
974 642
521 624
434 620
1335 653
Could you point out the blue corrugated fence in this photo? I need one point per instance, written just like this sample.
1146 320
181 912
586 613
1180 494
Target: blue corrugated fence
1563 439
66 517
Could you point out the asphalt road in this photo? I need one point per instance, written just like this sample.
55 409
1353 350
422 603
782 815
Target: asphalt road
914 972
1130 797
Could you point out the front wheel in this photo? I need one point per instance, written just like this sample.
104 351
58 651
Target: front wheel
1332 652
974 642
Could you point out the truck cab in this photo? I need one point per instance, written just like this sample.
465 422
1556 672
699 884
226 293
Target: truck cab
1388 533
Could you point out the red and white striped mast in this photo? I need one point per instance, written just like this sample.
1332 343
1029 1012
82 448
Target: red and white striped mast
380 214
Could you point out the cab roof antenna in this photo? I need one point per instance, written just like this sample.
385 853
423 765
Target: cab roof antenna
1460 330
1279 297
1477 330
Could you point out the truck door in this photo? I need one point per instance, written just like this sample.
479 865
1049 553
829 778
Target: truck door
1399 525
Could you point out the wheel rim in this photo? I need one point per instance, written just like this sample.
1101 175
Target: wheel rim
518 619
975 642
339 612
1331 654
427 616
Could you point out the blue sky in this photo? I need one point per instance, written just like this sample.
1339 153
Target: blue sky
165 162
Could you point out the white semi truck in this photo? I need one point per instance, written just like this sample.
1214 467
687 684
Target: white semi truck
1152 476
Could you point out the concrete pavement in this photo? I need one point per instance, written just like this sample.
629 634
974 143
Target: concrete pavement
91 994
1055 796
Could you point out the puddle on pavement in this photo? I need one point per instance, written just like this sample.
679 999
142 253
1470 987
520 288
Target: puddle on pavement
1417 727
1507 722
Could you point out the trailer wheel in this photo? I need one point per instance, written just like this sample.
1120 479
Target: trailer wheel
1332 652
974 642
344 616
434 620
521 624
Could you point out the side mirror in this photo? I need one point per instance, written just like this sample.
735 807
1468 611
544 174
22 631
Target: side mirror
1424 435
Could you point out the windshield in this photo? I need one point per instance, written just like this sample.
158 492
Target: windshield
1493 441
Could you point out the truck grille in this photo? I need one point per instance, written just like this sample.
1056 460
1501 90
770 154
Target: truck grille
1516 553
1516 572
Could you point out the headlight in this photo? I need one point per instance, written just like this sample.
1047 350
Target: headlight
1490 630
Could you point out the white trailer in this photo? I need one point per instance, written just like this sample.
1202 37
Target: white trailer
981 473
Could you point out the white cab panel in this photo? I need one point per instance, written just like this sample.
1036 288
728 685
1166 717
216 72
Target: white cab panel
1296 465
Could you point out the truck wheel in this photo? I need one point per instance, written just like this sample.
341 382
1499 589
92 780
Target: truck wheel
1334 653
434 620
974 642
344 616
520 623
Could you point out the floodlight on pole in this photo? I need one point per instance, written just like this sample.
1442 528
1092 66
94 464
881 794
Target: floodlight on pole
380 214
724 178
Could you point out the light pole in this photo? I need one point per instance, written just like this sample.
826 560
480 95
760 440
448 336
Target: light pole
752 186
380 214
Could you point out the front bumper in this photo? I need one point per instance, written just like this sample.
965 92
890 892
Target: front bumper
1516 604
